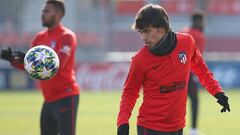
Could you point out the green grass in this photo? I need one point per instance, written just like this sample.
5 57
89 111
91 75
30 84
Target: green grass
19 114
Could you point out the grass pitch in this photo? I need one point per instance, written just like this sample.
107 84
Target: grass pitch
20 111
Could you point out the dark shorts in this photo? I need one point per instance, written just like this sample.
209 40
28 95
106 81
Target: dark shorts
59 117
146 131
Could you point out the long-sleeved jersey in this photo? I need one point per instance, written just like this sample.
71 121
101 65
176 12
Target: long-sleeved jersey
164 80
198 36
63 41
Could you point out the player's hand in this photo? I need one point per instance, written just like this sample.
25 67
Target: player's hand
123 129
6 54
223 101
18 57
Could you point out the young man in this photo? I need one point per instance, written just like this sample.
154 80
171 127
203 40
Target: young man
162 68
196 30
61 93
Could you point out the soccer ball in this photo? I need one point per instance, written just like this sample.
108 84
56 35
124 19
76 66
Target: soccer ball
41 62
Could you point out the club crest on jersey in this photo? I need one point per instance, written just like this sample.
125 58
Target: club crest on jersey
53 44
182 57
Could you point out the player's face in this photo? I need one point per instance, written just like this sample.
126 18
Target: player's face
151 36
49 14
200 24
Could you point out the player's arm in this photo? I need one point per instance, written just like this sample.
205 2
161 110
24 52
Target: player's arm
16 58
206 78
68 46
129 96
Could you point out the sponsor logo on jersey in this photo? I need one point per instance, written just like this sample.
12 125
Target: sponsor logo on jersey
182 57
172 87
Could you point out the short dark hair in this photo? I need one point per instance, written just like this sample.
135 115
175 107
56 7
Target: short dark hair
151 15
58 4
197 15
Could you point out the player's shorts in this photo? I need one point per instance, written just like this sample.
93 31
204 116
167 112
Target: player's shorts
146 131
59 118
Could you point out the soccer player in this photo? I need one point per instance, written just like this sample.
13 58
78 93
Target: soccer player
196 30
61 93
162 68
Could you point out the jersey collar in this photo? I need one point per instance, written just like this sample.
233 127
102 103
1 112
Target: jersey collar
166 45
56 29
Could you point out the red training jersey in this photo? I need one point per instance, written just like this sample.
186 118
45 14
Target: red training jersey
164 80
63 41
198 36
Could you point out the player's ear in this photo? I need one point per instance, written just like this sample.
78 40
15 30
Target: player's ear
162 30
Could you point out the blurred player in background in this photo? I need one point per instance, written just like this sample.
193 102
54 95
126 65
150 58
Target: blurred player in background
61 93
162 68
196 30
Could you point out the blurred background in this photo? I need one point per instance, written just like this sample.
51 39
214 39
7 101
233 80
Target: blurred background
106 44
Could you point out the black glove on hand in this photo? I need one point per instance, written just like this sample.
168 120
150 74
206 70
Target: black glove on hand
123 129
223 101
18 57
6 54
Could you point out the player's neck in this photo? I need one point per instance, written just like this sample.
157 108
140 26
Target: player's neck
53 26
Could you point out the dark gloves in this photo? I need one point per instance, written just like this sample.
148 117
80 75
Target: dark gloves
18 57
6 54
13 57
123 129
223 101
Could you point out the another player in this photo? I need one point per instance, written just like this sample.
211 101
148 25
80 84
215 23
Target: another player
61 93
162 68
196 30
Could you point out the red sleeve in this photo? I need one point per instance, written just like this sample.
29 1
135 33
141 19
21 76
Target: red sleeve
130 93
34 43
199 39
199 67
37 40
201 43
198 36
18 66
67 46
